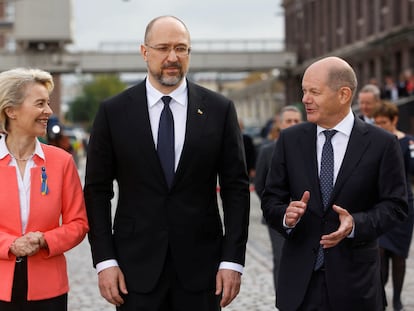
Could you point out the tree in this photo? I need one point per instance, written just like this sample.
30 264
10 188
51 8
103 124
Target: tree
84 107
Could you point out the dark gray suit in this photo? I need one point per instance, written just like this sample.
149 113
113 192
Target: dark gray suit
370 185
276 239
151 219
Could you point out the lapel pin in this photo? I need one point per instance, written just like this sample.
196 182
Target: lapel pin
43 178
199 111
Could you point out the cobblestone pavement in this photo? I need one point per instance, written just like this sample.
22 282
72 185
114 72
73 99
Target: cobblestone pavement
257 284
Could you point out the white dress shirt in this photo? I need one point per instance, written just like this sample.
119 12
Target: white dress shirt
339 142
178 106
23 182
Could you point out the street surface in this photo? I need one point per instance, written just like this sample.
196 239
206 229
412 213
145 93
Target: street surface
257 283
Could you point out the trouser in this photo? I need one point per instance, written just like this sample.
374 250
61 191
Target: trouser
170 295
19 300
316 298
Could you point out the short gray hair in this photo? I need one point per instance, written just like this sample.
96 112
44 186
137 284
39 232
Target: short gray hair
373 89
290 108
13 84
342 76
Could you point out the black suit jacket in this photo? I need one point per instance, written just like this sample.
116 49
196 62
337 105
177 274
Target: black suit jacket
262 166
150 218
370 185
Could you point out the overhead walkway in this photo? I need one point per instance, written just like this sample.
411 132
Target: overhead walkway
206 56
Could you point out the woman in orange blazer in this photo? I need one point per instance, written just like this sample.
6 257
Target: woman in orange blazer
41 200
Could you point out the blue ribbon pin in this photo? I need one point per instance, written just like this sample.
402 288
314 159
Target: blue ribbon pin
44 188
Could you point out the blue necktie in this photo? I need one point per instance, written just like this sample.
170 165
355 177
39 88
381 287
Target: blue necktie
326 182
165 143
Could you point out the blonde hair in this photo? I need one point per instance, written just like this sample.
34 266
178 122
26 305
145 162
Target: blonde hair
13 85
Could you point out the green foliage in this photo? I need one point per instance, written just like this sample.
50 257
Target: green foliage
84 107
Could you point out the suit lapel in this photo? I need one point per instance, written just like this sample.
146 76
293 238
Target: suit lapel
355 150
137 116
197 114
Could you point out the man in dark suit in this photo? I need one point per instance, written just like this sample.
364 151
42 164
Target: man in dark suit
167 249
289 116
330 259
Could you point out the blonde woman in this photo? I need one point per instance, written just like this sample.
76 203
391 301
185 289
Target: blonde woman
42 206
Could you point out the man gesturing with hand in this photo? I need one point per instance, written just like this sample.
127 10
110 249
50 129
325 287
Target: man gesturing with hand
295 210
334 186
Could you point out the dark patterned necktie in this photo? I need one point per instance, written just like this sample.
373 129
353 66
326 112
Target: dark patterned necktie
165 143
326 179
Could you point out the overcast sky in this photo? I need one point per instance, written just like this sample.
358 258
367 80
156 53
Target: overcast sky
97 21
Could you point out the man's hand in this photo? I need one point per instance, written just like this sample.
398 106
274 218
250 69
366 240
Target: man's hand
296 210
345 228
228 284
111 281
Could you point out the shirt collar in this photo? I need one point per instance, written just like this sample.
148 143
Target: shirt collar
179 95
345 126
4 151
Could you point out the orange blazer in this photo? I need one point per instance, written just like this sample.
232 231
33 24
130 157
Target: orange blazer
60 215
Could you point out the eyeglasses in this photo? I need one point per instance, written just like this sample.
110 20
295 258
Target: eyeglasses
179 50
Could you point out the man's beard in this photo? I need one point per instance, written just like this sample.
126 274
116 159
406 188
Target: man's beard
170 80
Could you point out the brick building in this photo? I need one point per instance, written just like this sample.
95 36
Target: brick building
375 36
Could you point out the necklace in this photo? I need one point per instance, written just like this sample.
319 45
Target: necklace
21 159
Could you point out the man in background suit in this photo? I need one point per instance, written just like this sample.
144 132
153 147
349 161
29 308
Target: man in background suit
167 250
369 98
330 259
289 115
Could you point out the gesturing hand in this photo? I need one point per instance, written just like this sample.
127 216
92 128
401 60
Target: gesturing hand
296 209
345 228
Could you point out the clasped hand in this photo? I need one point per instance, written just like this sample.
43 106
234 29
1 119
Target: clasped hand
28 244
296 210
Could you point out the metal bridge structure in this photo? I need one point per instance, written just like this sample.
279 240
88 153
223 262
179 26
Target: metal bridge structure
124 57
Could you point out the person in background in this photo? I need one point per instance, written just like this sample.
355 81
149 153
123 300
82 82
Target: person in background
389 90
395 244
42 211
406 85
334 186
166 141
249 151
289 116
369 98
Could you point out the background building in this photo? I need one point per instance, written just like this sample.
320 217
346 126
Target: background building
375 36
29 27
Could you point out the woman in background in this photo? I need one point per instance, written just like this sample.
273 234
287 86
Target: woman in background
395 244
42 209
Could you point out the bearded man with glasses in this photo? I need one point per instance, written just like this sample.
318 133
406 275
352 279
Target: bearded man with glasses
166 141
